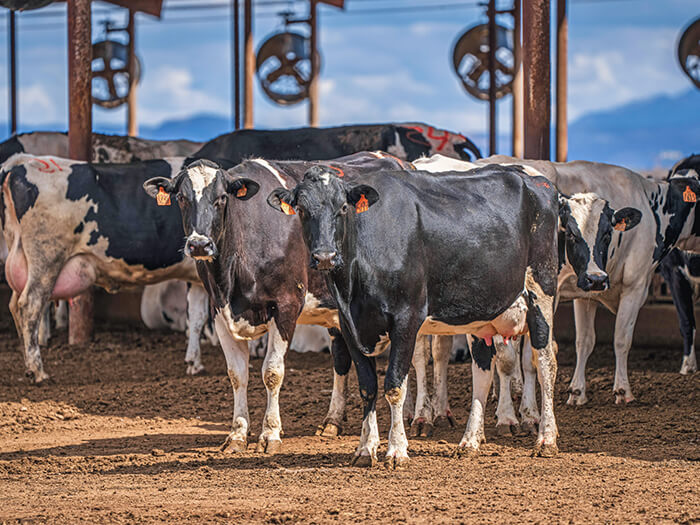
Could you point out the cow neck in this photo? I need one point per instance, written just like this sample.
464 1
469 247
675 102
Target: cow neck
677 214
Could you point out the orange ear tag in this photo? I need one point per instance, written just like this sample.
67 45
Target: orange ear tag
362 204
621 226
162 199
689 195
287 209
242 192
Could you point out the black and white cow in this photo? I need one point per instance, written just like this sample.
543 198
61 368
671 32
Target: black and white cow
668 220
69 225
681 270
255 269
409 253
105 148
405 141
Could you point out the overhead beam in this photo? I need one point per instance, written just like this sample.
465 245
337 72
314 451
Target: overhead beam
80 325
562 145
537 78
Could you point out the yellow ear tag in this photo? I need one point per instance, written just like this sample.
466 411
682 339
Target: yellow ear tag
287 209
621 226
162 199
362 204
242 192
689 195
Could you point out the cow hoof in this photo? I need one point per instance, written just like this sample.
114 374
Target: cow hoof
364 461
621 395
421 428
234 445
465 451
193 370
507 430
269 446
329 430
528 428
38 378
577 398
394 462
444 421
689 365
545 450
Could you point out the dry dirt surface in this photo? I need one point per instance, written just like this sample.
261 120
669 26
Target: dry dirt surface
121 435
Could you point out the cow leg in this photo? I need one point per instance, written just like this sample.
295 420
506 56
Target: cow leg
366 367
197 314
442 348
682 294
61 315
529 413
540 317
31 304
506 364
333 423
270 440
403 342
482 376
45 325
422 424
236 354
584 318
627 312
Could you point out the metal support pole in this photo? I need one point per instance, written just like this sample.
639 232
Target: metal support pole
80 135
236 63
249 65
537 78
491 13
132 119
517 81
561 116
313 85
13 72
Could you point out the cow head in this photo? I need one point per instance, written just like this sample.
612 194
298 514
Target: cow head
586 224
326 206
203 191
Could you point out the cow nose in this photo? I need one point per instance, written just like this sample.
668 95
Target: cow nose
596 281
324 260
200 248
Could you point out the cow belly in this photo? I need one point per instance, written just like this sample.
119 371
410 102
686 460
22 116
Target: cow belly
76 276
509 324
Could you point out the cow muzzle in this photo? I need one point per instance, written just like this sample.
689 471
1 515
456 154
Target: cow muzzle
200 248
594 282
324 260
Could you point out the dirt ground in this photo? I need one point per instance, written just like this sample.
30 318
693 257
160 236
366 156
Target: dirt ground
120 434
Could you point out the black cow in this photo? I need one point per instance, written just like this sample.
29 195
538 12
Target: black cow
406 141
69 225
434 255
681 270
255 269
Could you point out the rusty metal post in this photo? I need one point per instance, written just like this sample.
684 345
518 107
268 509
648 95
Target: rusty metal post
562 71
132 119
249 65
313 85
80 135
537 78
517 81
13 71
491 13
236 63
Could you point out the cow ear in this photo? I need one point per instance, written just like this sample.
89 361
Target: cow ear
281 199
153 186
689 187
362 197
626 218
242 188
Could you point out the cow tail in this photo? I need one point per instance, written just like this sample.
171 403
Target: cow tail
345 315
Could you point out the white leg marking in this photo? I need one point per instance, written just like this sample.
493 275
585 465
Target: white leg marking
442 348
397 451
584 317
506 365
369 441
61 315
474 433
529 413
333 424
197 313
270 440
422 424
690 362
627 312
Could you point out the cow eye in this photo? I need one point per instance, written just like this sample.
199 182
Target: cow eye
221 200
344 208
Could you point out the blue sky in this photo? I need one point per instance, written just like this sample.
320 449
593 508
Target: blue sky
379 67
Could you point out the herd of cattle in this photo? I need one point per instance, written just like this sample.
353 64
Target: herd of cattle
393 237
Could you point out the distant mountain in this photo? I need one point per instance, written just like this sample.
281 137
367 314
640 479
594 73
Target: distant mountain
645 134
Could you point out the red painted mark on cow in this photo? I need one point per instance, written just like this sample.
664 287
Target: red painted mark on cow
162 199
419 139
338 171
362 204
46 167
443 139
540 184
689 195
